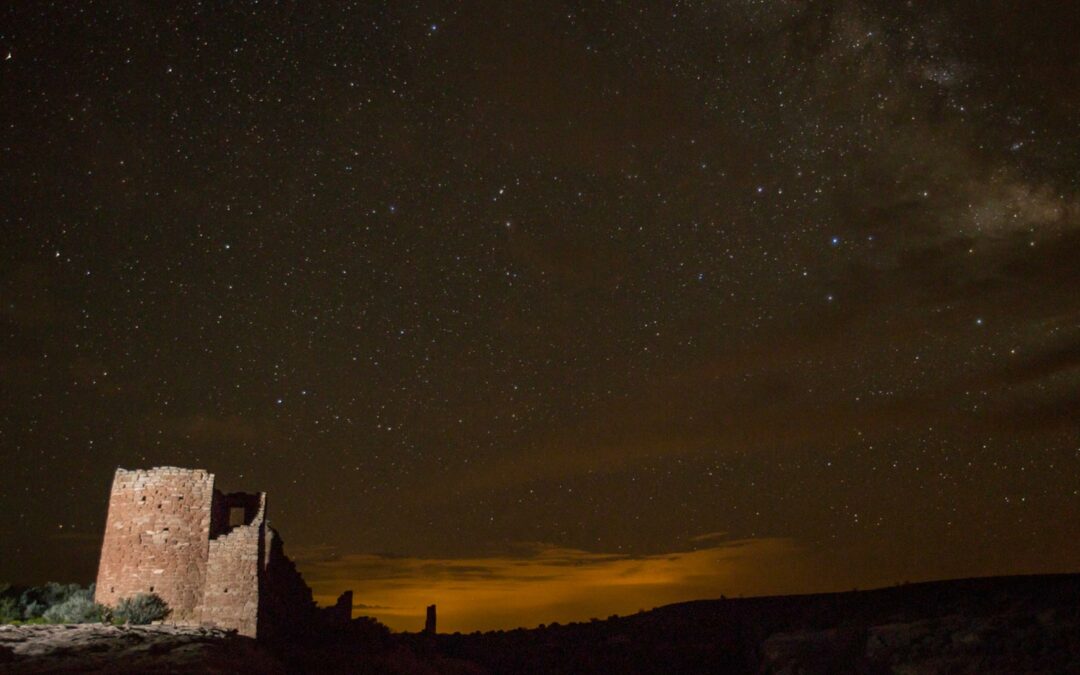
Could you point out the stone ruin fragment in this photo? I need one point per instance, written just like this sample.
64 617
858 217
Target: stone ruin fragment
213 557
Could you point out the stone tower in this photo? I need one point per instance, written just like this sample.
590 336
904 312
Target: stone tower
213 557
157 538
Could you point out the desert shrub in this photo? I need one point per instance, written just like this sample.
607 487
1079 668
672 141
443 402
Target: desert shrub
37 600
141 609
9 609
78 608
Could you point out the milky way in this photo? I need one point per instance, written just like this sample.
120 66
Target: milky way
795 281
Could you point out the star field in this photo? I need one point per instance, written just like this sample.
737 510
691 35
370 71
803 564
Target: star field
635 279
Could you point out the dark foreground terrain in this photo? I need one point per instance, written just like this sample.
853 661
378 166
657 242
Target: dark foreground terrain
994 625
100 648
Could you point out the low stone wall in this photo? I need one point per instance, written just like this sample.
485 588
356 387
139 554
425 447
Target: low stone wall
233 574
285 601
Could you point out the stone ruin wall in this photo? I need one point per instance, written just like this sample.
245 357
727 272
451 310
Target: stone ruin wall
157 538
233 572
285 597
212 557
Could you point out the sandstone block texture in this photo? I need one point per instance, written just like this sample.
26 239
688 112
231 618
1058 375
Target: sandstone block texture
157 537
212 557
233 571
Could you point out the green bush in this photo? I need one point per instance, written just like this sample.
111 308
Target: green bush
141 609
9 609
76 609
37 604
37 600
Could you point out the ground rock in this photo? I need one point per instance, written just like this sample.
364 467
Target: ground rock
99 648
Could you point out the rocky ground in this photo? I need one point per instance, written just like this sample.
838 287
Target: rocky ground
990 626
98 648
1018 642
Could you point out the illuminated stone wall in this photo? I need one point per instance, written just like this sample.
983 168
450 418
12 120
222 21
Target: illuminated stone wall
211 556
157 538
233 575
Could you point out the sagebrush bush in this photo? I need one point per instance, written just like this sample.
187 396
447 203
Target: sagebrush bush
21 604
76 609
141 609
9 610
37 600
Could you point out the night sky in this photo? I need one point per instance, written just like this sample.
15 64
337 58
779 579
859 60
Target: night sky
542 312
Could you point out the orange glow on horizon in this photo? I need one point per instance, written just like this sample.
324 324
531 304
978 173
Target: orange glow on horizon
546 584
